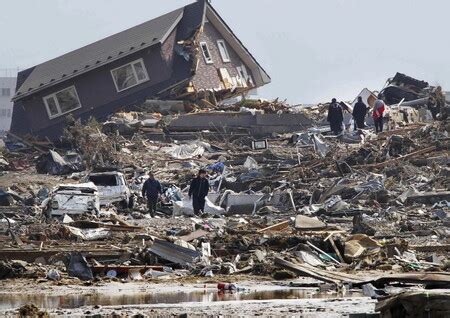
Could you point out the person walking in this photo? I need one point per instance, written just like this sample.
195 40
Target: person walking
359 113
151 190
335 117
377 115
198 191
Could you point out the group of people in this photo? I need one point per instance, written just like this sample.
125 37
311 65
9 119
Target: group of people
336 115
198 190
199 187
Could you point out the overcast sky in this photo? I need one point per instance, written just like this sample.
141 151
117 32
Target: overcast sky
313 50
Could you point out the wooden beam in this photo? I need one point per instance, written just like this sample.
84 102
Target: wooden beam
275 227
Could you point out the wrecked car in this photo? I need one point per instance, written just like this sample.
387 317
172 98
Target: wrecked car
72 199
112 187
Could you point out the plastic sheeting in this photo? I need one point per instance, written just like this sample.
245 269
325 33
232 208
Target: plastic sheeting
53 163
78 267
184 207
187 151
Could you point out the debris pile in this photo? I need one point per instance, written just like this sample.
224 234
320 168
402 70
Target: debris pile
361 210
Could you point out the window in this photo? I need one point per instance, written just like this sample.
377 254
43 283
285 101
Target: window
62 102
223 50
5 112
206 53
243 74
6 91
105 180
129 75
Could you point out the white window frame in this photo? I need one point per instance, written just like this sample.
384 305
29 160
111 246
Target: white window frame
57 103
138 82
207 60
242 71
241 76
222 45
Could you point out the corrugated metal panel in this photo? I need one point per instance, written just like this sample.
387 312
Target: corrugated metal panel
174 253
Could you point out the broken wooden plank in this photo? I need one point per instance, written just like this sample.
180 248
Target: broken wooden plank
323 252
194 235
323 275
441 279
275 227
388 162
333 244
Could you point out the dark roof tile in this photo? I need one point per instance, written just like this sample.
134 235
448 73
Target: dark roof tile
102 50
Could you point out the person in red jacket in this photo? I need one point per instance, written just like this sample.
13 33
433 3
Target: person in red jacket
377 115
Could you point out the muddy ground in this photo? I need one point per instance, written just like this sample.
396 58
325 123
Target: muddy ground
200 298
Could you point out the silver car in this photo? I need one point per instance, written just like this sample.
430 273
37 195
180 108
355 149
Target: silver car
112 187
72 199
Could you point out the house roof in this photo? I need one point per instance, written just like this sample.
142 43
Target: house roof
99 53
260 75
130 41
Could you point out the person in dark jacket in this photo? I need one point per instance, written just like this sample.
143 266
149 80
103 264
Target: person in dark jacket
359 113
151 190
198 191
335 117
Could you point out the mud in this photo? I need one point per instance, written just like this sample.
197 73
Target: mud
169 299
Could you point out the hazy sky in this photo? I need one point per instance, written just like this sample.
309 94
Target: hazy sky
313 50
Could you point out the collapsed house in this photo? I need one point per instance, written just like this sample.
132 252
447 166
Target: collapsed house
184 54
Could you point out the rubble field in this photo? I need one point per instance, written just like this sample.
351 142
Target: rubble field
358 223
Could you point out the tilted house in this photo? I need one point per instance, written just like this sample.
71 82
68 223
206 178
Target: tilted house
176 56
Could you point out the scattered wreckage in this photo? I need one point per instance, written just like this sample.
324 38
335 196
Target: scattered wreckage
361 212
72 199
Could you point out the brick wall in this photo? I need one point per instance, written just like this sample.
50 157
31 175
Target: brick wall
207 75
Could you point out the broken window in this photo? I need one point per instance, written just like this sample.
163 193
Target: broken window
62 102
6 92
129 75
206 53
223 50
241 77
243 74
107 180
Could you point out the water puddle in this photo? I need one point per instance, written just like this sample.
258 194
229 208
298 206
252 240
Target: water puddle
11 301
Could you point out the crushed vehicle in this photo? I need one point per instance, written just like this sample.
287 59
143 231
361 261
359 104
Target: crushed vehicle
72 199
112 187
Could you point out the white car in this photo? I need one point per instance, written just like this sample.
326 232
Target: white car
112 188
72 199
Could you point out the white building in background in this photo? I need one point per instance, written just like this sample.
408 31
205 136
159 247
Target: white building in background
7 89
